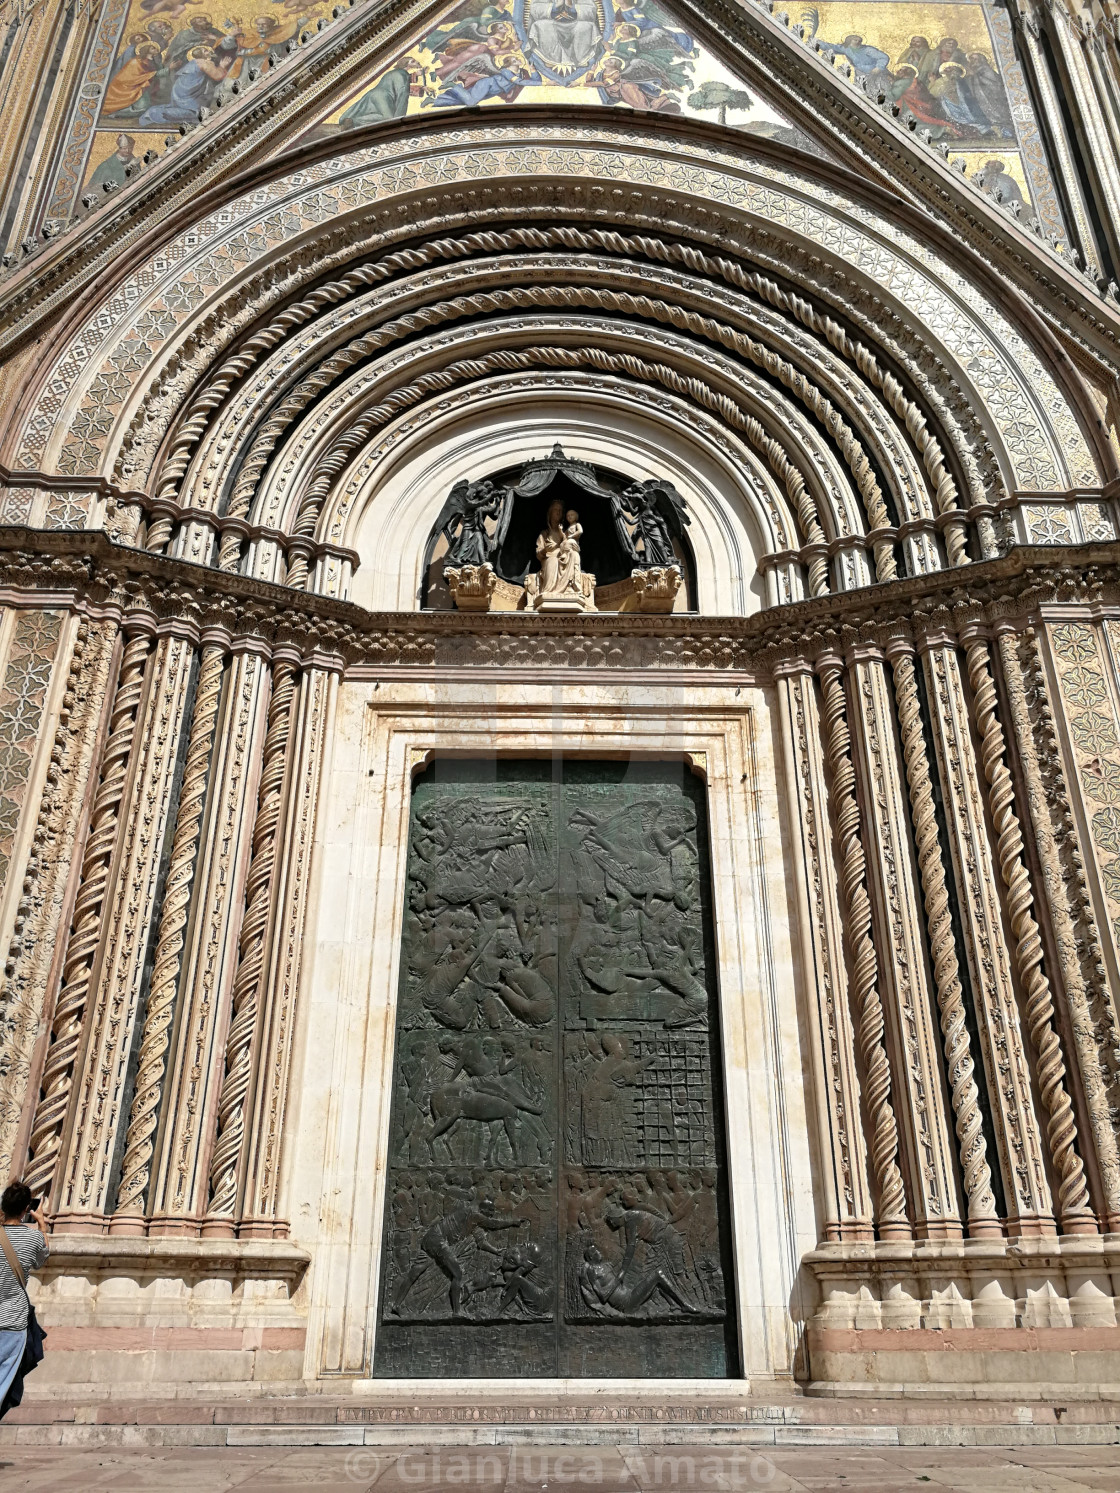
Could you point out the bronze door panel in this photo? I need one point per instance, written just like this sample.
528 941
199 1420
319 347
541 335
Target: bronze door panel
556 1200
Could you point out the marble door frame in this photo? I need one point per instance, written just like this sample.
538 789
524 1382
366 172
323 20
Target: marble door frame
381 734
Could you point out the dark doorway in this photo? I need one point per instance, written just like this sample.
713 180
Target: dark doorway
556 1200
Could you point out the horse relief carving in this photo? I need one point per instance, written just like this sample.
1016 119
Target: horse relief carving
554 1151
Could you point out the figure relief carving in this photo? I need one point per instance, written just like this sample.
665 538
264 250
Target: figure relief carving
653 508
466 1244
643 1246
462 522
638 949
554 1115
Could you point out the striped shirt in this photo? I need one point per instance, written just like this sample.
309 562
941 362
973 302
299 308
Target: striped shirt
31 1251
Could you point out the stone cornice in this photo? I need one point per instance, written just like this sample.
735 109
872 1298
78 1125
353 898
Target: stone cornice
88 572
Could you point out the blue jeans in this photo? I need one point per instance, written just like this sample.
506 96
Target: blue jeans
12 1344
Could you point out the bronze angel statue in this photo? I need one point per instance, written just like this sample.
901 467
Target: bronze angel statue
648 517
463 522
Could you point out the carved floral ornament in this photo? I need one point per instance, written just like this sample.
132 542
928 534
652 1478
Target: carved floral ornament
209 372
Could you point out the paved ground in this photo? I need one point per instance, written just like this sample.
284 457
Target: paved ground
516 1470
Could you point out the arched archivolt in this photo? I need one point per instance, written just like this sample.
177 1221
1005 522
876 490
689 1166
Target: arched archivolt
308 370
297 487
390 496
886 388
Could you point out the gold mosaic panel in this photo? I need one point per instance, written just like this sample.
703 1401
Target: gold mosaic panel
153 65
494 52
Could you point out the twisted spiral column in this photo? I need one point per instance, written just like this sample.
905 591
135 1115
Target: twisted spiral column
250 960
983 1218
1073 1194
164 984
892 1219
85 933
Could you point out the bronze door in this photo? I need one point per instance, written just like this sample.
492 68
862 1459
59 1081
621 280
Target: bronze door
556 1201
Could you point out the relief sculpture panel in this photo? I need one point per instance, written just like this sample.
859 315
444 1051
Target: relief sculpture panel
556 1201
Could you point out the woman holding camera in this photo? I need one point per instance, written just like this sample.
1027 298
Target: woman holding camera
23 1248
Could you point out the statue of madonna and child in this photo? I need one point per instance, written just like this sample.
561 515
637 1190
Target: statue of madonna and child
561 585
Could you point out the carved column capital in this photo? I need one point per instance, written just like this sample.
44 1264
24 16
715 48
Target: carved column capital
138 622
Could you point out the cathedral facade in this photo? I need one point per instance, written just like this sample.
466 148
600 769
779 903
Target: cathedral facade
560 690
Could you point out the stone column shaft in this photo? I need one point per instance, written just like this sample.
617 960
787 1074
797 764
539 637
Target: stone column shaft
127 919
177 1193
70 1014
848 1203
32 963
228 1157
907 996
1095 1035
1061 1132
891 1215
277 1020
1018 1140
167 966
975 1173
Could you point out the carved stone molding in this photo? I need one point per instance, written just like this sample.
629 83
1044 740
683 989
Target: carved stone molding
916 1079
33 952
890 1210
227 1160
1033 451
166 969
189 1260
976 1176
1095 1039
848 1210
118 972
89 572
178 1192
979 1283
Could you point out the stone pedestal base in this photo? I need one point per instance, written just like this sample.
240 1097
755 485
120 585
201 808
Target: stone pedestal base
1017 1363
975 1318
475 588
567 603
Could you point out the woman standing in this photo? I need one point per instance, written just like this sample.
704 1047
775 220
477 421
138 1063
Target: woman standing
24 1235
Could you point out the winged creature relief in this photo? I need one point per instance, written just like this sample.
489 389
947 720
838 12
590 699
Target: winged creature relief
463 522
655 512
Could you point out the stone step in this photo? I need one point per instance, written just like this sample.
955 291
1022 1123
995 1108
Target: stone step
469 1415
